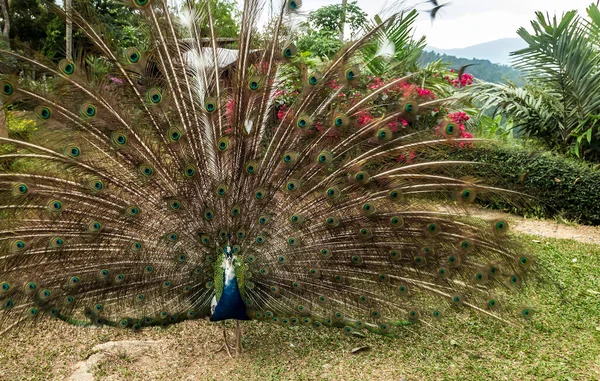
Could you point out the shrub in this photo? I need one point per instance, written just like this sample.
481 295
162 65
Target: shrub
560 186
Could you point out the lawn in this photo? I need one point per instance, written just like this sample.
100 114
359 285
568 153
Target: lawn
561 342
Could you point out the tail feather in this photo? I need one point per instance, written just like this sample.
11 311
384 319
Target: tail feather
148 163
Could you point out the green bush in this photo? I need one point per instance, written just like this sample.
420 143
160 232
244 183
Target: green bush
558 186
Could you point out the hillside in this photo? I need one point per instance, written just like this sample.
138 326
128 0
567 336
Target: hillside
497 51
483 69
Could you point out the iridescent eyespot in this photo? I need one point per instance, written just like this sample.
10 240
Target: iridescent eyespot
263 220
290 51
72 151
96 185
292 185
332 222
290 158
254 83
175 134
189 171
294 5
174 204
209 214
172 237
154 96
148 269
102 274
236 211
260 194
94 226
365 233
18 245
251 167
54 206
136 246
241 234
260 239
313 80
7 88
133 55
324 157
146 170
119 278
4 286
43 112
332 193
141 3
384 135
500 227
397 221
166 284
66 66
350 74
223 143
133 210
210 105
88 110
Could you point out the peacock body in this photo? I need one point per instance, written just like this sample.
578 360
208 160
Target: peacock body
162 186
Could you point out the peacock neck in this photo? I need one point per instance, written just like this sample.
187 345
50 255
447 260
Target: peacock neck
230 304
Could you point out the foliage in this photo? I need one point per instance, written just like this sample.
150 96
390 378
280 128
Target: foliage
226 18
118 23
323 27
29 20
559 186
483 70
560 104
406 50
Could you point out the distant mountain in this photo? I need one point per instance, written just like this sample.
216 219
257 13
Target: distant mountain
481 69
497 51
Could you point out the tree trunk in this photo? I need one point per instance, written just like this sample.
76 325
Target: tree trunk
69 33
6 29
6 35
343 21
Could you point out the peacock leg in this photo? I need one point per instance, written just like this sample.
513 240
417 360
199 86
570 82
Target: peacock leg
238 338
225 343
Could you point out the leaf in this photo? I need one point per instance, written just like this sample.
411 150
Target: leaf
364 348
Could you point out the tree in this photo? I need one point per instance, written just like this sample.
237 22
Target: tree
29 20
325 26
560 103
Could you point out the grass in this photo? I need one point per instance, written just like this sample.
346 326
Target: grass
561 342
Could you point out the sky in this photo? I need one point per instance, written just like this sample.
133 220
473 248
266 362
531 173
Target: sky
469 22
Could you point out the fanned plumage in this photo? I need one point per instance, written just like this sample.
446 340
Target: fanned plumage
159 177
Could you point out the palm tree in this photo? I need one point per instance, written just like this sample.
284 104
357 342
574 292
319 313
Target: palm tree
560 104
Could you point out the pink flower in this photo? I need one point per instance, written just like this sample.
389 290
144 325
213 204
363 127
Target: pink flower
282 111
404 123
364 118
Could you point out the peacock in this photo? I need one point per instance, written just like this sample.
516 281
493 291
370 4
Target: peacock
165 182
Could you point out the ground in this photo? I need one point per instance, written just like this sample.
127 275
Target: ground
561 342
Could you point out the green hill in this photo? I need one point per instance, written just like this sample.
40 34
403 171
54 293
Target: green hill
483 69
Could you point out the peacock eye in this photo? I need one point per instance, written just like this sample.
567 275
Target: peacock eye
190 171
7 89
175 134
313 80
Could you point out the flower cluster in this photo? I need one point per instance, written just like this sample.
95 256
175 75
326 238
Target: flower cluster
465 80
459 118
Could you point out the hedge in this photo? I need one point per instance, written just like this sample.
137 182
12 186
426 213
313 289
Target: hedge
560 186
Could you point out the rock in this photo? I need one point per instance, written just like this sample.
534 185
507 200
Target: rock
132 348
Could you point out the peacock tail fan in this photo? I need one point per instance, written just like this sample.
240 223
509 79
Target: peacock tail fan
161 172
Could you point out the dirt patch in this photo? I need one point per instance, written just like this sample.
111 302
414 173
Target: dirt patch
543 228
112 352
